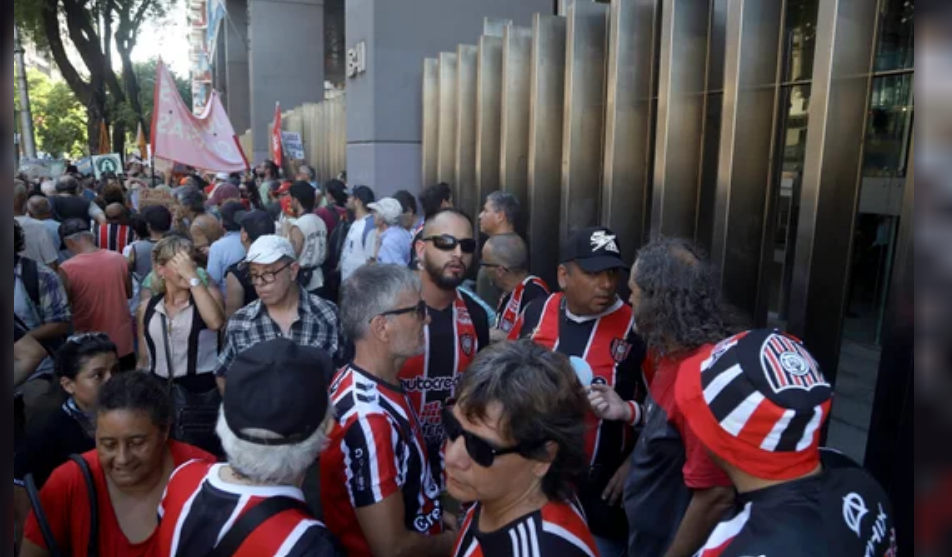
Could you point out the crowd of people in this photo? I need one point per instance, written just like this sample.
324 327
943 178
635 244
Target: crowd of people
253 366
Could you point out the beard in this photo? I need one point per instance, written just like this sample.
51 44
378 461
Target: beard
440 278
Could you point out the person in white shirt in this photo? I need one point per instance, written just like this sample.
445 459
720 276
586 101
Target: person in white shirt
361 243
308 235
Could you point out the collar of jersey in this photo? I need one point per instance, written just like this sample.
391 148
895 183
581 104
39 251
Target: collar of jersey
588 319
214 480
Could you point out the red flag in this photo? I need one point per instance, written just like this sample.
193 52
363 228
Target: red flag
277 148
206 142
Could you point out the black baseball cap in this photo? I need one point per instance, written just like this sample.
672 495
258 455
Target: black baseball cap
363 193
230 212
256 224
278 387
74 227
595 250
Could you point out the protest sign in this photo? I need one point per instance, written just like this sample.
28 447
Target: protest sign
107 164
152 197
293 145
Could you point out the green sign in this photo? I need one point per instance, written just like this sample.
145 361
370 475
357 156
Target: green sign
107 164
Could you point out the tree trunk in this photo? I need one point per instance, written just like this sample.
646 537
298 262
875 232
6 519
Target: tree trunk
119 138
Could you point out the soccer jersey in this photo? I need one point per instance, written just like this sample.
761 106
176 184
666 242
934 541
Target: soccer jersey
514 303
376 450
557 530
842 512
114 237
453 338
199 509
615 353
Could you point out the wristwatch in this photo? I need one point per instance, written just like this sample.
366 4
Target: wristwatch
195 283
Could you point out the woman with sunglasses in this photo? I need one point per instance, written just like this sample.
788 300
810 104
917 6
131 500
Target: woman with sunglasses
515 447
83 365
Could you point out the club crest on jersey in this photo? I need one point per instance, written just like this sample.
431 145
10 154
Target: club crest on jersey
788 366
602 240
621 349
463 317
467 343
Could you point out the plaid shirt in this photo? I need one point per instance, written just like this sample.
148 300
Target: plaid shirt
318 326
54 305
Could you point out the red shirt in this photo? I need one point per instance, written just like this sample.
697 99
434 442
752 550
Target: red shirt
97 291
66 503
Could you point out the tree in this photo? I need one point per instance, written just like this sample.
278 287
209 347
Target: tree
93 26
58 116
145 76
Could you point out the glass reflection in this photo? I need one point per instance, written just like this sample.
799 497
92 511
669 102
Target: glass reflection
896 40
800 39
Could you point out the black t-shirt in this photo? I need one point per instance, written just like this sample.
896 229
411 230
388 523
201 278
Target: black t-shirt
612 441
60 436
242 273
70 207
842 512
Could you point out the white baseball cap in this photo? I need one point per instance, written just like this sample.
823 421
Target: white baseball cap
270 249
389 210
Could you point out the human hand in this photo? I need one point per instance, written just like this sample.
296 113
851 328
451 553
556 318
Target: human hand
607 405
184 266
616 487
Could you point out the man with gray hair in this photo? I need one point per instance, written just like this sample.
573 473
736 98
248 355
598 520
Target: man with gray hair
69 203
500 215
40 209
506 262
273 426
393 240
39 246
375 474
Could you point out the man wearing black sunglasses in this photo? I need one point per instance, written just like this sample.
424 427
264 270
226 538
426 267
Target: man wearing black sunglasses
376 480
589 322
459 327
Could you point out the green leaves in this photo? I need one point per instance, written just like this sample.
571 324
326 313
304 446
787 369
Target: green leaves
59 119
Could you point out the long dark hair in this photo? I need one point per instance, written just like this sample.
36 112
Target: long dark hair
77 352
681 307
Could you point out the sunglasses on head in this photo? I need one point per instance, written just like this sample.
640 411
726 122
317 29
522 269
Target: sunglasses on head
450 243
480 450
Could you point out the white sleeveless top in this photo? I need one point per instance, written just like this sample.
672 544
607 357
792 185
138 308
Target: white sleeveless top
315 248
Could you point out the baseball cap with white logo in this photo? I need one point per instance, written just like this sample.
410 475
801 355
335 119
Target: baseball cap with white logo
595 250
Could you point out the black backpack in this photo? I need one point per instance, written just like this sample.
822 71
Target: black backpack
335 248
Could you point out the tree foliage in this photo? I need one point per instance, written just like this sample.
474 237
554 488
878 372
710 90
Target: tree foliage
59 119
145 75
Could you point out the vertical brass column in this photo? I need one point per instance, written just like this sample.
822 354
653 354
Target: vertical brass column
547 107
583 133
631 77
466 129
685 26
838 110
431 121
747 141
516 74
446 144
488 116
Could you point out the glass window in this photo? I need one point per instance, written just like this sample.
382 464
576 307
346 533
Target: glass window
793 142
800 39
885 160
896 41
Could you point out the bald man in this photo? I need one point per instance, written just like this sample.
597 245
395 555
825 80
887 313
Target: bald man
38 246
40 209
506 263
116 234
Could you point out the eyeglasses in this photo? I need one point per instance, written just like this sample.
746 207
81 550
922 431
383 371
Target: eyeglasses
480 450
449 243
493 266
86 337
421 311
268 278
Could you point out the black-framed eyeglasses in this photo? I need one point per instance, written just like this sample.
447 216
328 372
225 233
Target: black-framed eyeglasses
446 242
268 278
421 311
480 450
485 265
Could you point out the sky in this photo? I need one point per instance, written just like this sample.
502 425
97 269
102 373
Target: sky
168 39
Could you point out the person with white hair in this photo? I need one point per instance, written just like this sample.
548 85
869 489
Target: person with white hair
273 426
393 240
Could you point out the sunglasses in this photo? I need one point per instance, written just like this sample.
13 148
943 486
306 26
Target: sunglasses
481 451
449 243
86 337
420 309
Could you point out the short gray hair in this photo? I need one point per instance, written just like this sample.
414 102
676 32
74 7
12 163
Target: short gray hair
191 198
370 291
507 204
309 171
510 251
282 466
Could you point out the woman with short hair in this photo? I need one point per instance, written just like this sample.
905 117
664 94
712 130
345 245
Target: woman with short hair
515 447
130 468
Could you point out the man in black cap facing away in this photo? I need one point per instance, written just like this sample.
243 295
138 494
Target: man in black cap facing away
589 323
273 425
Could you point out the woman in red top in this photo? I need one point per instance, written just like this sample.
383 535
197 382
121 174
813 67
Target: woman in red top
131 466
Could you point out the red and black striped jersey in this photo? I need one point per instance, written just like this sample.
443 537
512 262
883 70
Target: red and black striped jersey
114 237
199 509
376 450
557 530
842 512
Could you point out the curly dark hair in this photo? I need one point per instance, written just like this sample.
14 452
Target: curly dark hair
681 307
138 392
543 403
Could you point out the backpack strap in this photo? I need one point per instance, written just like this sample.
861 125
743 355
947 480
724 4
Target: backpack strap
45 530
30 273
252 520
93 547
